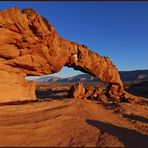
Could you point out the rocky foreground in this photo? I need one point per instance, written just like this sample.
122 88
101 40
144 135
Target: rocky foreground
72 122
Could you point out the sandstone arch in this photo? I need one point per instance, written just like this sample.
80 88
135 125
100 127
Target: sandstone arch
30 45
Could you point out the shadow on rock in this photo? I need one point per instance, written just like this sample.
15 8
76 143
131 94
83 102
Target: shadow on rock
127 136
18 102
135 117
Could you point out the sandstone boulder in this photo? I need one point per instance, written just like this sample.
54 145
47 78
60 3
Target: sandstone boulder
89 92
77 91
103 99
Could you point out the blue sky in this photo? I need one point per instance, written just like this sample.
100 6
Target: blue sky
118 30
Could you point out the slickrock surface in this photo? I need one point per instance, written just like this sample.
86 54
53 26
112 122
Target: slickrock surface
73 123
30 45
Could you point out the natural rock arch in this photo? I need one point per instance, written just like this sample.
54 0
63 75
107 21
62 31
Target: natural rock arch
30 45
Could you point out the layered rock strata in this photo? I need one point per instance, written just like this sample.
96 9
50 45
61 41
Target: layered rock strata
30 46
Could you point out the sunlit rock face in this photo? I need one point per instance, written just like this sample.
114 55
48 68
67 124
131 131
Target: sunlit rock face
13 86
30 46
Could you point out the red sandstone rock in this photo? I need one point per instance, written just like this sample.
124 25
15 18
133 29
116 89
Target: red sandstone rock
30 44
89 92
77 91
103 99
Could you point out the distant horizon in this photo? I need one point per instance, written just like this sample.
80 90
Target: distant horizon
59 75
117 30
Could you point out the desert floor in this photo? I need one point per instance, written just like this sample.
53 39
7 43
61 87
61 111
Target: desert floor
61 121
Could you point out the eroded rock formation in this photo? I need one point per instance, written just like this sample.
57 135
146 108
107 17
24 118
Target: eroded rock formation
77 91
30 45
101 94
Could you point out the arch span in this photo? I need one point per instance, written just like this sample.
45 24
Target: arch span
30 45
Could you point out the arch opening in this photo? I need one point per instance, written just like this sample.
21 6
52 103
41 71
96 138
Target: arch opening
57 85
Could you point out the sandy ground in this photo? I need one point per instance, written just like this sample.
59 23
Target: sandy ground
73 122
